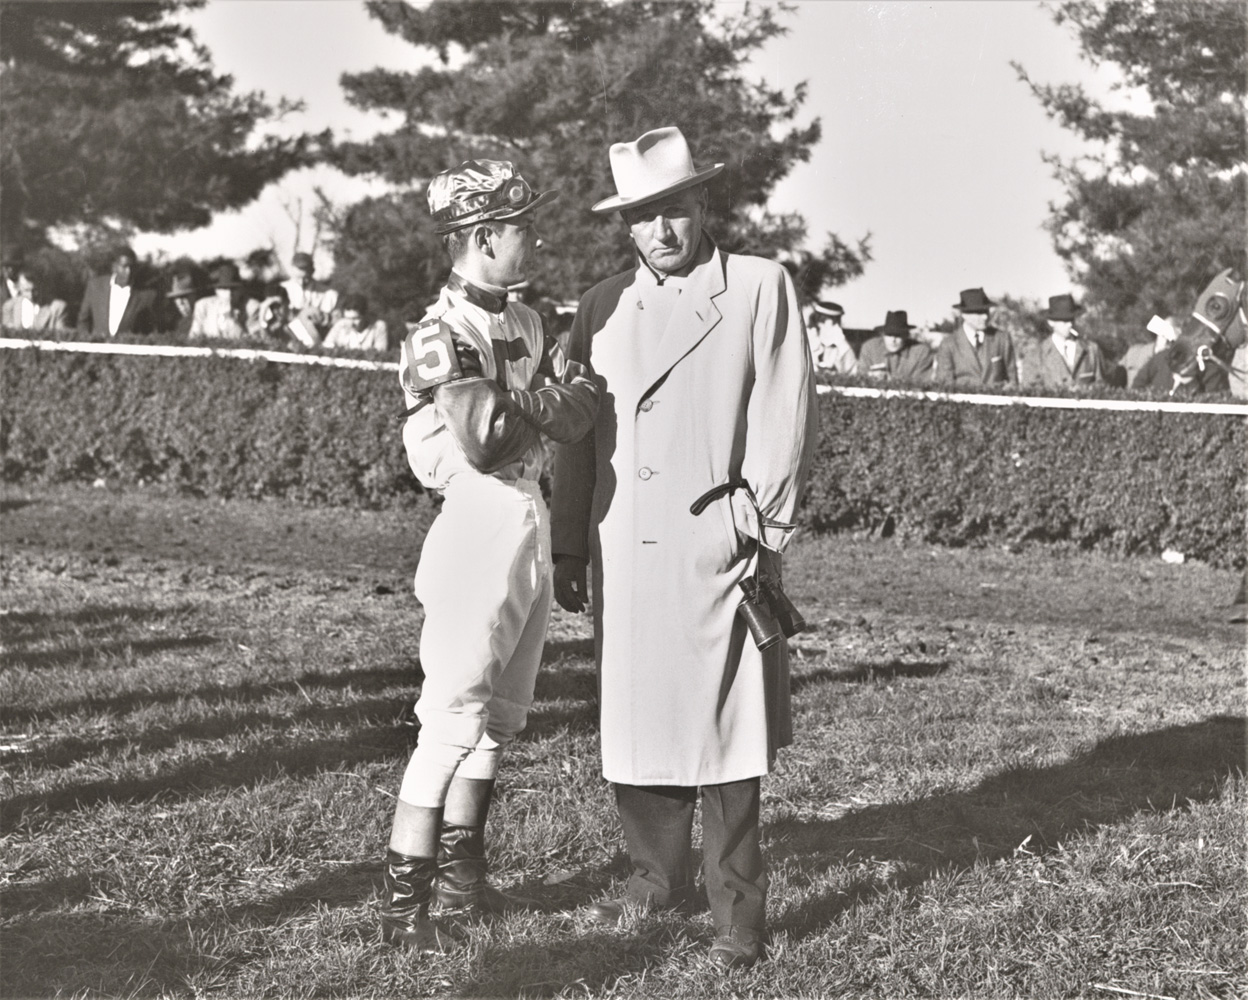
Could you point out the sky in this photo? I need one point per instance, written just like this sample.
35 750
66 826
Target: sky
930 142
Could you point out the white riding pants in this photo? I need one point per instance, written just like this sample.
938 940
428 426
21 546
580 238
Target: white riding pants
484 579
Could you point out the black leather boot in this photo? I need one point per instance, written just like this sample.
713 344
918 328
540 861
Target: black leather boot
462 869
405 920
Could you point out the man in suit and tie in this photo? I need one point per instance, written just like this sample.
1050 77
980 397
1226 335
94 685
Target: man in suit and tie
1065 358
975 353
112 305
894 354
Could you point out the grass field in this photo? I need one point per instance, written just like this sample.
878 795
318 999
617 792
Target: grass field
1014 776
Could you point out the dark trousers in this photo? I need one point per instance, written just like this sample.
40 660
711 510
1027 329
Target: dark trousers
658 828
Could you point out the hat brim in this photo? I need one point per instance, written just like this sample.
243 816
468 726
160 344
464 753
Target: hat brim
497 214
983 307
617 203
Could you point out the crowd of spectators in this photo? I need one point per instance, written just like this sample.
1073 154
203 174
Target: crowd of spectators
298 310
975 353
286 311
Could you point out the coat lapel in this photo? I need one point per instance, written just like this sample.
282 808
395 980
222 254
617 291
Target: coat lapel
695 315
969 351
127 315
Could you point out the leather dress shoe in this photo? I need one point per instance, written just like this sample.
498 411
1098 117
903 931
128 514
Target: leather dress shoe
610 911
736 947
613 911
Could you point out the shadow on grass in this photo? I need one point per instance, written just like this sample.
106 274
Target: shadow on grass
275 756
566 694
1119 778
218 695
34 626
90 654
868 673
100 955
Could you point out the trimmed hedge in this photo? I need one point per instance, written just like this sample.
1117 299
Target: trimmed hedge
205 426
932 471
1121 482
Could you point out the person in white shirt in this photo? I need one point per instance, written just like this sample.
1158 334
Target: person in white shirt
351 333
222 315
23 312
310 297
828 346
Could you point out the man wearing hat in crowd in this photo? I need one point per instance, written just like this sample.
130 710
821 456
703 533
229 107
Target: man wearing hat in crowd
975 353
222 315
1065 358
310 297
485 389
893 354
828 345
112 304
707 380
181 297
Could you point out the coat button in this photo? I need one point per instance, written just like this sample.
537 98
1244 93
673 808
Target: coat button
644 473
647 406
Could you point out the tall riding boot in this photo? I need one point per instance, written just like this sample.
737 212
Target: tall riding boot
405 917
462 864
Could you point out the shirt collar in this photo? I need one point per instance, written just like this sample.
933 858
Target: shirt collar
706 250
491 298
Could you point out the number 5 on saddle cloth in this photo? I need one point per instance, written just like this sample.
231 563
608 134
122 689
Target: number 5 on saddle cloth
765 608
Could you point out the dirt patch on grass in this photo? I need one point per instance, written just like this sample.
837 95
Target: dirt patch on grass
227 533
843 577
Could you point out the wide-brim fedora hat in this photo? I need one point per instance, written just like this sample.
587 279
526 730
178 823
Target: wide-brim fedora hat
227 276
656 164
973 300
182 286
481 191
895 325
1063 308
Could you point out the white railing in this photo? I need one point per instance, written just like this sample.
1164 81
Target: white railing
867 392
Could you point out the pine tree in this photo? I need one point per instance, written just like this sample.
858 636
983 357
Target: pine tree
113 119
1160 208
550 85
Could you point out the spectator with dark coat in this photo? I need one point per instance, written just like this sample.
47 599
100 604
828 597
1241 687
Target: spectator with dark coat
1173 372
894 354
113 305
1066 358
975 353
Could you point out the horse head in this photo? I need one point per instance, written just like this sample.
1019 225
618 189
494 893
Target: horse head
1216 327
1220 309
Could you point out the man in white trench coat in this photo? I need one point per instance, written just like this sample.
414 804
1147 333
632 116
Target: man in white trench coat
704 376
